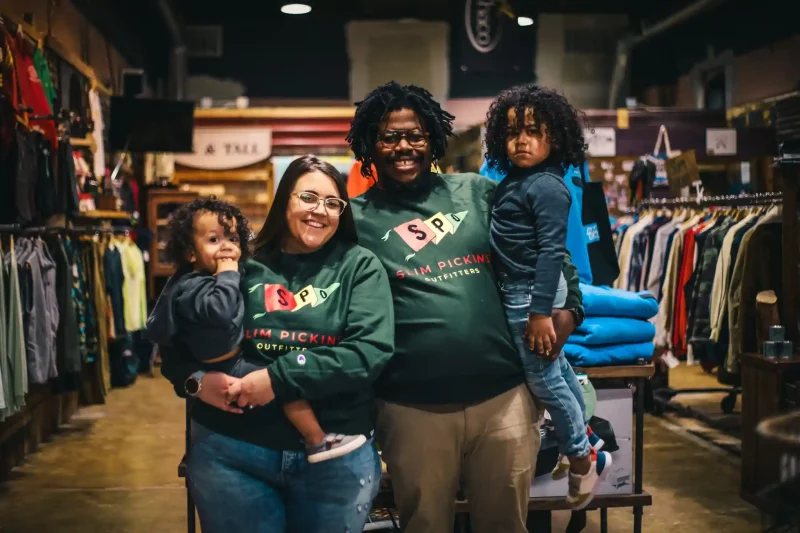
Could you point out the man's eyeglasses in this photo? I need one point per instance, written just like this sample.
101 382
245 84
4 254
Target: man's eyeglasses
390 139
309 200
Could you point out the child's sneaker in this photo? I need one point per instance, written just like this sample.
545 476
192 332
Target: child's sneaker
594 441
582 488
334 446
562 467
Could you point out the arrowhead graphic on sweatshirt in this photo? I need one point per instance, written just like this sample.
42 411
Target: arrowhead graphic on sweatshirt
418 233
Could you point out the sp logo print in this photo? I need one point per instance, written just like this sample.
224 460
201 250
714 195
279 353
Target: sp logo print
483 24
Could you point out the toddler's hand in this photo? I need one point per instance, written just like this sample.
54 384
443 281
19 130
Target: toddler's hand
540 334
227 264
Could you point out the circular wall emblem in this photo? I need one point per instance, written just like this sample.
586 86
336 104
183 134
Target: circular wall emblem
483 24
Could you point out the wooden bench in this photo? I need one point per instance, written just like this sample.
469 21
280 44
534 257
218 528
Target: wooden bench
539 509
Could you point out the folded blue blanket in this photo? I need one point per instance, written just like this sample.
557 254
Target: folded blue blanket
609 354
597 330
605 301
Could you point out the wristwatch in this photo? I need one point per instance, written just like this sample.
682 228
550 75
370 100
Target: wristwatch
577 315
194 383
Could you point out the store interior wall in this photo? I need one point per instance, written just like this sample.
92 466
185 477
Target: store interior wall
575 53
68 25
769 71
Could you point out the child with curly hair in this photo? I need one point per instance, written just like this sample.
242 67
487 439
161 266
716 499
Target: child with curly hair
533 134
202 309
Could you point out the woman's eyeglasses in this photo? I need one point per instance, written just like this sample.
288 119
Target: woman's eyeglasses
310 201
390 139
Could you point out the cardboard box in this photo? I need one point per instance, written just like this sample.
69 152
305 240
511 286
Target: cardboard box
614 406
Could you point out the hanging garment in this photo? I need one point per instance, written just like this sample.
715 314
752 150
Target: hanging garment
699 325
598 235
33 94
39 310
133 286
25 172
9 86
5 371
67 183
115 280
102 308
722 272
582 227
758 268
45 189
99 160
588 227
15 332
68 353
43 71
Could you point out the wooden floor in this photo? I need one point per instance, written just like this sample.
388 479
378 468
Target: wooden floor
114 470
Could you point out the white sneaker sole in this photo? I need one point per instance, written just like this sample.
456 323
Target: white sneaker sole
600 478
600 444
338 452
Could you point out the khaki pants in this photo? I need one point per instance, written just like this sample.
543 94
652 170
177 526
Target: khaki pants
489 448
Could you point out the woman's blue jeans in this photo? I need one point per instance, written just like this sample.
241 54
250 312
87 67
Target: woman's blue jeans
243 488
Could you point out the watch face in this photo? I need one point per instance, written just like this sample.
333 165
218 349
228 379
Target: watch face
192 386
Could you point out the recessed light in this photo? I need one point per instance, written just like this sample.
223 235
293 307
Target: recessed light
525 21
296 9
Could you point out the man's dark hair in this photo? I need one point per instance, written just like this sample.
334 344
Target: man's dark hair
181 228
392 96
564 127
276 229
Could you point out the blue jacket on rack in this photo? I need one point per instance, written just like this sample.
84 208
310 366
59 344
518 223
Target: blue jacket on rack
576 233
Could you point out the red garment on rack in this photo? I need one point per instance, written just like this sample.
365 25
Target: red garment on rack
33 94
681 318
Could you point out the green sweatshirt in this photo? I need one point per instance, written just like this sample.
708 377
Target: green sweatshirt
452 343
324 326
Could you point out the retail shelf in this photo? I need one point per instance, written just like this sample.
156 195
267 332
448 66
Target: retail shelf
619 372
188 176
116 215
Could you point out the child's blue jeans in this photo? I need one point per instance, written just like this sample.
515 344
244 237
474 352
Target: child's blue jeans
553 382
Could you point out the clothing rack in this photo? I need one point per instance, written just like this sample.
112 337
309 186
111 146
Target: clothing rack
662 396
728 200
17 229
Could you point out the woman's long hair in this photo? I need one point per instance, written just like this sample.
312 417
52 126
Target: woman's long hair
275 230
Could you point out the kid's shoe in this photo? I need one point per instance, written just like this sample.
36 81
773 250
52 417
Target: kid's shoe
562 467
583 488
594 441
334 446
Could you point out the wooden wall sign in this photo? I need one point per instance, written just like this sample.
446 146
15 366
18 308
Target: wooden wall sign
224 148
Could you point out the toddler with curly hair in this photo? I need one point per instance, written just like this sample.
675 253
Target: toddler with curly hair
202 308
533 134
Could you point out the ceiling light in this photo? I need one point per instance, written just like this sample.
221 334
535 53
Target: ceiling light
525 21
296 9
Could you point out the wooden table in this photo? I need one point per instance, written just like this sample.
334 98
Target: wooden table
540 509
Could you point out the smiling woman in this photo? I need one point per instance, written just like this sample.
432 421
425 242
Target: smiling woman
317 329
310 208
